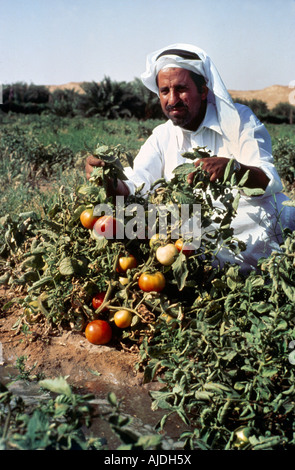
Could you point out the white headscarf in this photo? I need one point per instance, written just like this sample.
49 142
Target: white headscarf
228 116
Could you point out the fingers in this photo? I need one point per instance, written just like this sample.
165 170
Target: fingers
91 163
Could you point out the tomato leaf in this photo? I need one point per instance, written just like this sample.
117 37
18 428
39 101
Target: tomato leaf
180 270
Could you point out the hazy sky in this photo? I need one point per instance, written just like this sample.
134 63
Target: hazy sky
54 42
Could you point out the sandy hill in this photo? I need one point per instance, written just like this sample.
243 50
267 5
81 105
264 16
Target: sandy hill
271 95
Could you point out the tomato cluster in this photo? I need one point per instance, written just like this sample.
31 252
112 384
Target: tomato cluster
149 280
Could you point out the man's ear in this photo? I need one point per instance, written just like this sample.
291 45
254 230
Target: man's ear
204 93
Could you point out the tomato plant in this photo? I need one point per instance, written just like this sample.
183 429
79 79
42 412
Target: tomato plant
149 282
123 318
186 248
156 240
167 254
98 332
126 262
105 226
87 219
98 300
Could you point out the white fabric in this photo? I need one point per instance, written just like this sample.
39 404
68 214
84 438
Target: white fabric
259 219
228 130
218 95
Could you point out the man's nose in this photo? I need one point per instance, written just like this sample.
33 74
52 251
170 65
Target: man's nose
173 98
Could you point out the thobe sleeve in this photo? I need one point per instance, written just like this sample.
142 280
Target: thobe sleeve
256 149
148 165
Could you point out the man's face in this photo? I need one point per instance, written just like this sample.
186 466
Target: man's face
180 99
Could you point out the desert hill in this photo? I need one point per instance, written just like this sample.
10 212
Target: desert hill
271 95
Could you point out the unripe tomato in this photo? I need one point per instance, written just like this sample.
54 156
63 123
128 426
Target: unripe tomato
187 248
123 318
123 280
98 300
149 282
98 332
31 311
87 219
126 262
105 226
166 254
156 240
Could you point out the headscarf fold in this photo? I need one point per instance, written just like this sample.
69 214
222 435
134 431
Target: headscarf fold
196 60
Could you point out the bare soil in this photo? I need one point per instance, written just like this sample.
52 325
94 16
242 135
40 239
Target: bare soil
65 353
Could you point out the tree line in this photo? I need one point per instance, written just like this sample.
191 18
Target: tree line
110 99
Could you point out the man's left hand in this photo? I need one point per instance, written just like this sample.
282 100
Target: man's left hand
215 166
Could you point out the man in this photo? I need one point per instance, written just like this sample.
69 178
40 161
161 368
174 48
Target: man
201 113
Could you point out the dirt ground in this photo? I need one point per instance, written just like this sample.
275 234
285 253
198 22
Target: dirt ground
88 368
66 353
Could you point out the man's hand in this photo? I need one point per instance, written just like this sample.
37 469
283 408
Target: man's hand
215 166
91 163
121 188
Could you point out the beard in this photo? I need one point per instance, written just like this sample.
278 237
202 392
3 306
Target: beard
181 115
178 114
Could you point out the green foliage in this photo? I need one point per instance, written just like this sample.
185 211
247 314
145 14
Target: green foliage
109 99
61 422
284 156
223 360
26 99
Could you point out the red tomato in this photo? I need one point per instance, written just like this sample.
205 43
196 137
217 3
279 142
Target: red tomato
123 318
98 332
187 248
126 262
87 219
105 226
98 300
152 282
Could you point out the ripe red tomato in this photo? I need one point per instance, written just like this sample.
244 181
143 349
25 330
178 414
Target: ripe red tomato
123 318
126 262
87 219
151 282
105 226
187 248
98 300
98 332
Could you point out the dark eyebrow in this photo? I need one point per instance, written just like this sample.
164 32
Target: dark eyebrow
184 54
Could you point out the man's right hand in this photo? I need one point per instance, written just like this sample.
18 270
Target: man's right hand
91 163
120 190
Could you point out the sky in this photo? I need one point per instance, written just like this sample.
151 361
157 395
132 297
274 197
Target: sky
59 41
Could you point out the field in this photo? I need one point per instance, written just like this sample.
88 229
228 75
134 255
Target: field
211 350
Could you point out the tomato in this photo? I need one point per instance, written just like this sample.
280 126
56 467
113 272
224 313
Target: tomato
187 248
98 332
123 280
151 282
242 435
87 219
156 240
31 312
105 226
166 254
123 318
126 262
98 300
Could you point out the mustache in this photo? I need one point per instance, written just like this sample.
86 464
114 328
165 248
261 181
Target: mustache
178 105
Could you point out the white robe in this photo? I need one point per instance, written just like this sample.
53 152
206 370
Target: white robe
260 219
